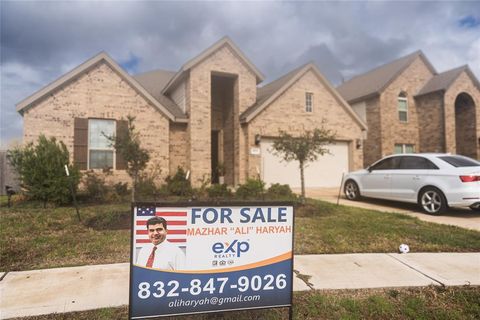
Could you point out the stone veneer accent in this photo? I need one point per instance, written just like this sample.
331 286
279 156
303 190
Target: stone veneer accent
99 93
288 113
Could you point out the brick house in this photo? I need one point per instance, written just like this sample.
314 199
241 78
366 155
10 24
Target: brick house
409 107
211 112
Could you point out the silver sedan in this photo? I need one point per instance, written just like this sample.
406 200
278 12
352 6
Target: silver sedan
434 181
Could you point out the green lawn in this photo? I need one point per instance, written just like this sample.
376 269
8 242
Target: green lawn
416 303
328 228
33 238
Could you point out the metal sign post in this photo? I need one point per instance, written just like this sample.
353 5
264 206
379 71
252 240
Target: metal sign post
73 193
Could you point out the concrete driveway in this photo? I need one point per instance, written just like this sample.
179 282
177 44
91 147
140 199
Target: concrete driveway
464 218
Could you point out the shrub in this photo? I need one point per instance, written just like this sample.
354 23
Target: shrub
219 191
202 191
121 188
42 172
280 192
147 185
251 189
95 187
97 190
178 184
146 188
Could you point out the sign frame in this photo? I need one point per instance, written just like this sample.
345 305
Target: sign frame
222 203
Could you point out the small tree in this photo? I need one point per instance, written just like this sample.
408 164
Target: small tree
41 168
127 145
304 148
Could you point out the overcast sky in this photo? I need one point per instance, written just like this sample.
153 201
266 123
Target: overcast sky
40 41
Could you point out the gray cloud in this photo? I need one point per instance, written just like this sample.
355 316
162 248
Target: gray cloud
40 41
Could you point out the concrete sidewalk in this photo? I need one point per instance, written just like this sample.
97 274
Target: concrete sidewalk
60 290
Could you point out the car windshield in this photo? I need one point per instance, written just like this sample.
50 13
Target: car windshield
460 161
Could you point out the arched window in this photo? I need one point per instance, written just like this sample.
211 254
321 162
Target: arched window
402 105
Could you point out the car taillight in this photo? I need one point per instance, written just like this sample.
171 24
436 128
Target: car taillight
469 178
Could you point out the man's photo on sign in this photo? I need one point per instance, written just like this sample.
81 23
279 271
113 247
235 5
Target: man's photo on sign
157 252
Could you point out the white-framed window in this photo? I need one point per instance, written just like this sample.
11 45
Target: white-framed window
100 150
402 103
308 102
404 148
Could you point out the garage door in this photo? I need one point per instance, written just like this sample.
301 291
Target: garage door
325 172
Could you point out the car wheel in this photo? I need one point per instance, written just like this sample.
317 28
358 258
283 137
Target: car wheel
351 190
432 201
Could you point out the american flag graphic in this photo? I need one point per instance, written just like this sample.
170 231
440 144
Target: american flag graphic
176 224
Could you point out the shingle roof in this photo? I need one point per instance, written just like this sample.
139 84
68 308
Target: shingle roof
442 81
154 82
268 90
375 81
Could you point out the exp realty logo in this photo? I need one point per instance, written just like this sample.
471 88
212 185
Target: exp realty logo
230 250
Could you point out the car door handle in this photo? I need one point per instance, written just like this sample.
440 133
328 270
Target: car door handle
416 178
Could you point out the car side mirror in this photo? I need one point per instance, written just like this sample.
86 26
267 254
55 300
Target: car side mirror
369 169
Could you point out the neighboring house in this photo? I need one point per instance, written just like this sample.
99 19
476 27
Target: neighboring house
409 107
207 114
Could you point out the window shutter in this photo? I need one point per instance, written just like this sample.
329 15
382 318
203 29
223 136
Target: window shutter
122 127
80 143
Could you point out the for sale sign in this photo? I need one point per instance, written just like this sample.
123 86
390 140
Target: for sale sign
196 258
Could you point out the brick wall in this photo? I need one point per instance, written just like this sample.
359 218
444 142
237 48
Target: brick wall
463 84
393 130
287 112
431 124
99 93
223 61
372 146
178 147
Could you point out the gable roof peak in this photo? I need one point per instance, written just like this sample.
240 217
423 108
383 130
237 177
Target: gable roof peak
443 81
25 103
270 92
169 110
373 82
207 52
